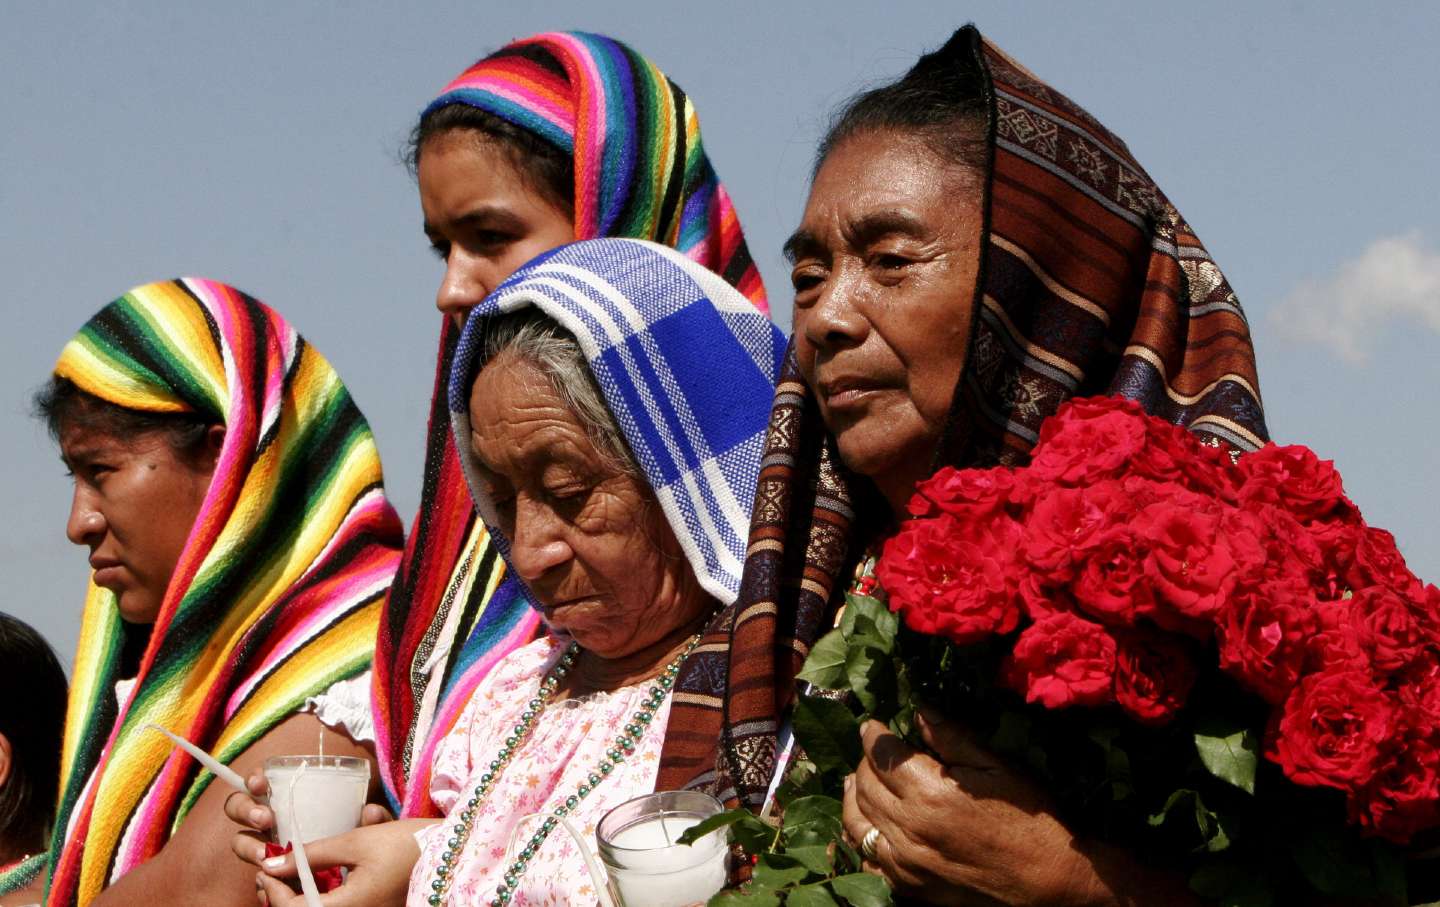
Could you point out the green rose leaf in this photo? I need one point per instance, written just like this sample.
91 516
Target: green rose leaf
814 857
861 889
777 870
828 732
867 619
755 897
825 667
816 895
752 835
1229 753
863 668
719 820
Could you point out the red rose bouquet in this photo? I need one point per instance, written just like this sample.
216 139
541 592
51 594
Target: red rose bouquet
1213 661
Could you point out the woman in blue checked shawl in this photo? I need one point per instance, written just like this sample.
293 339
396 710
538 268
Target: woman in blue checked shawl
609 403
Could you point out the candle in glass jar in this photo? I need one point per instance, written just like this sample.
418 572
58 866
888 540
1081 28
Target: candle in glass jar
646 867
323 794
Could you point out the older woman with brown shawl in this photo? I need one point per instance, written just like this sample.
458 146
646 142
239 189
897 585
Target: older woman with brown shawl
976 249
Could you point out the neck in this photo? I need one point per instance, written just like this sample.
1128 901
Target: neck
595 673
14 851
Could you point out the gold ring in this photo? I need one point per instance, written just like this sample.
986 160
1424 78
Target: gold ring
867 843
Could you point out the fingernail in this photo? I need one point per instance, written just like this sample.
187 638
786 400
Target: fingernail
257 815
273 862
849 781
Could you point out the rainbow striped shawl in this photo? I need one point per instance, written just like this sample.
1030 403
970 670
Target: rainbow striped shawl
276 595
640 172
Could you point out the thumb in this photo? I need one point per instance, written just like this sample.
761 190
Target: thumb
374 814
321 854
952 743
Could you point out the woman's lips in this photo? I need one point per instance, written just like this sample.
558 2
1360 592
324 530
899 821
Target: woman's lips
843 394
108 575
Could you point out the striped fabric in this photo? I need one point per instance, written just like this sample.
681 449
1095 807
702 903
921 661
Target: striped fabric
640 168
687 368
640 171
1090 282
276 595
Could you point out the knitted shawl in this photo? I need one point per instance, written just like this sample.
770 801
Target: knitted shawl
276 595
1090 282
640 171
687 368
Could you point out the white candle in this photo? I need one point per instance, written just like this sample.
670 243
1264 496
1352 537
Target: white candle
323 794
647 868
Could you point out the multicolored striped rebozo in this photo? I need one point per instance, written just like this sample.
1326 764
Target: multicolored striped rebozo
276 595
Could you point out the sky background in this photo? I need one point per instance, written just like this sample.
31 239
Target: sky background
258 144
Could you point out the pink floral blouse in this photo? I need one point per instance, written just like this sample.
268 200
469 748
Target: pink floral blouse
567 741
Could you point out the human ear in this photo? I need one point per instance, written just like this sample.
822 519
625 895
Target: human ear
214 443
6 758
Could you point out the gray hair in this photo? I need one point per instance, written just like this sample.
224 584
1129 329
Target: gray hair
540 340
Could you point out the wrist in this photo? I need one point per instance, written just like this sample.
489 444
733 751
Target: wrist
1100 875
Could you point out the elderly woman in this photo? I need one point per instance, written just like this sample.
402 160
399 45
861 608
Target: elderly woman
521 153
229 494
30 728
975 250
609 403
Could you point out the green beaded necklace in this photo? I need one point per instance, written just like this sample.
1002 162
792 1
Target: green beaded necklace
624 745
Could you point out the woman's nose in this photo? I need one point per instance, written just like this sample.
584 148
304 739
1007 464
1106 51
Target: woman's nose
462 288
536 544
86 524
834 321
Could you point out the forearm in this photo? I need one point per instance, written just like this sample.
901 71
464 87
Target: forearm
221 881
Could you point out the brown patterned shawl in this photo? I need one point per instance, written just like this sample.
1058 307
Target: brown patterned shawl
1090 282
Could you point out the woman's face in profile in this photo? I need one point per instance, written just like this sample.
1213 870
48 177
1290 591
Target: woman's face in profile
482 217
884 269
134 504
589 540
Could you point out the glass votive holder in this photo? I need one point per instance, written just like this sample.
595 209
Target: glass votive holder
316 796
645 865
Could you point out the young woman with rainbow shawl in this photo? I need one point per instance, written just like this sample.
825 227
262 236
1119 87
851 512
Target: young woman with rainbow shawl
557 137
202 430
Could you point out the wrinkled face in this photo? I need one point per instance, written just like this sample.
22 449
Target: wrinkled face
590 542
134 504
481 216
884 267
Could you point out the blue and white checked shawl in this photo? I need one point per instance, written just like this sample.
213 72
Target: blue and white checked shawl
687 367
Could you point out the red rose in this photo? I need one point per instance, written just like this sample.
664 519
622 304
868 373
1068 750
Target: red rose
1154 674
1375 560
1110 582
1336 646
1066 521
1404 798
1394 630
1175 455
1088 440
1190 564
1294 478
1062 660
1264 636
1331 730
953 579
967 493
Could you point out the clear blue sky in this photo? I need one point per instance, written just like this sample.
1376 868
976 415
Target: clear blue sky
257 144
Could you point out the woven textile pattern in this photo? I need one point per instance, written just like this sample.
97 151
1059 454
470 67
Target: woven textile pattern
276 595
1091 282
687 368
640 170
